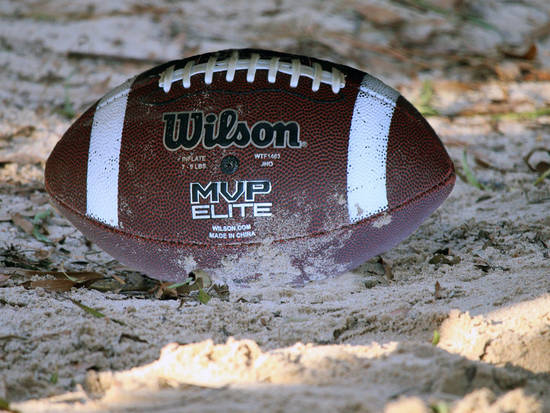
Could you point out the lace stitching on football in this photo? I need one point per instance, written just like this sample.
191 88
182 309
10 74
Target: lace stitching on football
294 68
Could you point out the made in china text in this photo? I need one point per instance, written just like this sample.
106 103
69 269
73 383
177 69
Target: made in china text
186 130
240 200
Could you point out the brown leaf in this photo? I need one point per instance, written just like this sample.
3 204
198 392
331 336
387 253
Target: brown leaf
80 276
83 276
22 223
528 54
51 285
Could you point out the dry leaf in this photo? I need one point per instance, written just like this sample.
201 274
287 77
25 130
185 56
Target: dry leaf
22 223
528 54
51 285
73 276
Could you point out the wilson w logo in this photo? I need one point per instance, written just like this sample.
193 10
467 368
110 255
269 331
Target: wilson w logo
186 130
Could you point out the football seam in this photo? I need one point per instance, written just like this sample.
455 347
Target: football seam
252 64
257 90
447 180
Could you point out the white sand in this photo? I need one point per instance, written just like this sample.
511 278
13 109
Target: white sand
360 342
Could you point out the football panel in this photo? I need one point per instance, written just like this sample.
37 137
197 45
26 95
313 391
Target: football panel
306 184
66 167
277 263
417 160
378 234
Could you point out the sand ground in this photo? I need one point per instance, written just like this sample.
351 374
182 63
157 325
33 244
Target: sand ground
477 271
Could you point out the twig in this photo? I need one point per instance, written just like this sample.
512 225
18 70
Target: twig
74 54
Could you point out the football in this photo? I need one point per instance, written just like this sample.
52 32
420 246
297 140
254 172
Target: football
249 165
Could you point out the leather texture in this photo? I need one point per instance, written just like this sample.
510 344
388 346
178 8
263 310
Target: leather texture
364 171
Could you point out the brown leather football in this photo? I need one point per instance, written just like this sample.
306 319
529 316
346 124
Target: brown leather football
249 165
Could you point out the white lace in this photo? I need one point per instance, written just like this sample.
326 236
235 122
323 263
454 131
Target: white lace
295 69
